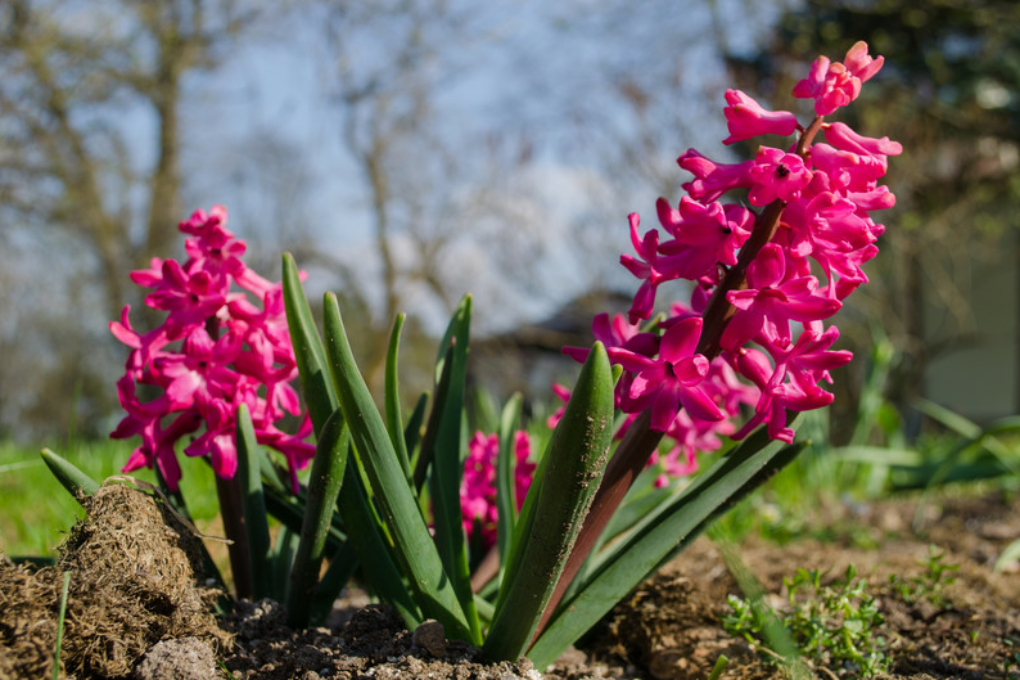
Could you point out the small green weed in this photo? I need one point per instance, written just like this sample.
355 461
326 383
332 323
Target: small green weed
834 626
929 585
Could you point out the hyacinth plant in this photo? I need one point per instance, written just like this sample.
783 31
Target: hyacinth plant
772 247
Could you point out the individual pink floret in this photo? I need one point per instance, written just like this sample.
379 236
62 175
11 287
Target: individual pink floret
766 307
746 118
834 84
666 383
777 174
711 179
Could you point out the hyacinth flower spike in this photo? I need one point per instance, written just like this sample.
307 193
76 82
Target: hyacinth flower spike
810 204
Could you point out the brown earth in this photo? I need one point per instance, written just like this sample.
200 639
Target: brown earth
671 626
135 609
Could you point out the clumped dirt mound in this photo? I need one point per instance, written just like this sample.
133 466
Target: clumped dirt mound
133 584
28 625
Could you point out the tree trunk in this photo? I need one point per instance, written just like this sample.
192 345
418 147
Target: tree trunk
165 202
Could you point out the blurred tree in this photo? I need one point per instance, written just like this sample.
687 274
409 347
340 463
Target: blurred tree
431 173
950 93
90 176
71 75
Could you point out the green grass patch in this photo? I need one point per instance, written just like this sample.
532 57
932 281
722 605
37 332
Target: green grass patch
36 512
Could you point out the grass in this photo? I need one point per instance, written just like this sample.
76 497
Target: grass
60 625
36 512
834 482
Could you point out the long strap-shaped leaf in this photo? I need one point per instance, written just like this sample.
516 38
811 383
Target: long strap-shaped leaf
375 554
660 536
290 511
253 506
320 395
448 464
506 500
571 470
328 469
342 565
397 503
366 535
394 421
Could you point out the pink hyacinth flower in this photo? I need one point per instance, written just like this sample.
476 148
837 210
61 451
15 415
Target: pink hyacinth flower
796 394
766 307
811 357
670 381
746 118
777 174
478 485
711 179
834 84
230 351
703 236
645 266
843 137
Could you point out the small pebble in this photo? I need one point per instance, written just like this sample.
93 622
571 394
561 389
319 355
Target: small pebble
430 636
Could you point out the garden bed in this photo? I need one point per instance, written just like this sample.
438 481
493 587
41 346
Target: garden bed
152 625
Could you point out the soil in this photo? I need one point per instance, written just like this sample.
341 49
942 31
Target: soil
137 610
671 626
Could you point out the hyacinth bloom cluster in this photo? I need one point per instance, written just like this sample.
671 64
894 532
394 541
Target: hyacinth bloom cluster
215 350
773 246
478 488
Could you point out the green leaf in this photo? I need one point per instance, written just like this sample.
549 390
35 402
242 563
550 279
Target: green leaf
1010 554
394 421
641 499
77 483
506 498
58 644
272 478
282 559
342 566
359 518
398 505
328 469
320 395
878 455
429 445
571 472
412 431
289 510
448 464
374 552
637 504
660 536
253 506
954 421
483 410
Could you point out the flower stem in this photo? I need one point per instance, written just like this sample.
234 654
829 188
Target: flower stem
720 311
